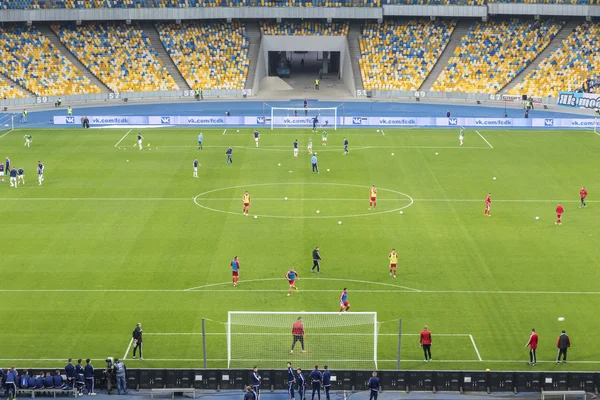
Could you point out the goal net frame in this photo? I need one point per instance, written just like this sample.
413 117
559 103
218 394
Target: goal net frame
372 314
298 112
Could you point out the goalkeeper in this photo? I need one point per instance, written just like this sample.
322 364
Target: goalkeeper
298 334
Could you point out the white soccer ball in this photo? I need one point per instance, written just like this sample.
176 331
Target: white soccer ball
256 216
148 144
377 130
318 212
561 319
328 170
127 160
494 178
279 165
436 154
238 131
401 212
537 217
315 154
339 222
392 153
6 125
285 198
150 149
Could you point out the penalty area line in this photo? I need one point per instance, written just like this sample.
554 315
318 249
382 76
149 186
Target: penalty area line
475 347
128 348
124 136
484 139
6 133
224 131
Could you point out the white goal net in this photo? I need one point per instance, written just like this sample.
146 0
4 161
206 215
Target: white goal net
340 340
326 118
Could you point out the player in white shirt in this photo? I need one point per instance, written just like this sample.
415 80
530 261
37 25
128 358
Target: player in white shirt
27 140
461 135
140 138
40 172
309 145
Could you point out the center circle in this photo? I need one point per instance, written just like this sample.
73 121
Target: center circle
206 196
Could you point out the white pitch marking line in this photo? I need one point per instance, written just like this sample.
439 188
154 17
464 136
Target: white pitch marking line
127 351
224 130
484 139
308 279
6 133
287 334
475 347
124 136
382 132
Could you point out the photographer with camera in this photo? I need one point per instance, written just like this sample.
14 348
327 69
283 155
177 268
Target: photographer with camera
120 372
108 375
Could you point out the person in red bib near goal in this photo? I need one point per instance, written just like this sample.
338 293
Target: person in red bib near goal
344 305
583 194
559 212
488 205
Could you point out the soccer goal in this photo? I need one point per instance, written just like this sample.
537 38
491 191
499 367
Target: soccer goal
7 122
340 340
281 117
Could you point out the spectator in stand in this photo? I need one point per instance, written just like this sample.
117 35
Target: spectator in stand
89 377
70 373
12 379
448 114
58 380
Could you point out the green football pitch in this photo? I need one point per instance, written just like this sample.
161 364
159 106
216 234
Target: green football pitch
117 236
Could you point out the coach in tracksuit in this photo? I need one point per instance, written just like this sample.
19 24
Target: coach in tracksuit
316 261
70 373
137 339
88 373
290 380
326 381
12 378
301 381
374 386
315 379
563 344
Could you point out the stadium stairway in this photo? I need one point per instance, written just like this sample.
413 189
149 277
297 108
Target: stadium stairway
460 30
566 30
152 34
54 39
254 37
354 32
13 83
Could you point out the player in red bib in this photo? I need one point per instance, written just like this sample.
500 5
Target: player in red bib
344 305
246 200
373 198
583 195
291 276
488 205
559 211
533 344
235 270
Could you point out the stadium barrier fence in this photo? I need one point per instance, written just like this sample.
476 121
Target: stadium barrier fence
355 380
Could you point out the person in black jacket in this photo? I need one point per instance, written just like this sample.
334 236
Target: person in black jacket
70 373
563 344
316 261
137 339
88 373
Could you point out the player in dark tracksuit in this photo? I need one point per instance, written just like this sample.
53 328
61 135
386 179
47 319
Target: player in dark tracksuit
137 339
374 386
563 345
326 381
316 261
70 373
88 373
301 381
315 121
228 152
291 380
256 381
316 378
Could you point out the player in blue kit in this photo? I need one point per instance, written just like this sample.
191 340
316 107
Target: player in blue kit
301 381
326 381
374 386
296 148
140 140
291 379
13 178
315 121
316 378
345 146
228 153
200 139
256 137
7 165
2 172
196 163
20 176
40 172
256 379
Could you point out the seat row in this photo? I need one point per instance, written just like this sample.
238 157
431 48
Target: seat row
305 28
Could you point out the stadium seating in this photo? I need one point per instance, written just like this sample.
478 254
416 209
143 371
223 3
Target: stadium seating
304 28
20 4
491 54
101 3
120 55
209 56
568 67
399 55
28 58
200 3
8 91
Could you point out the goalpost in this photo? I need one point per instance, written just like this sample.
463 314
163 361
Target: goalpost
340 340
7 121
303 117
